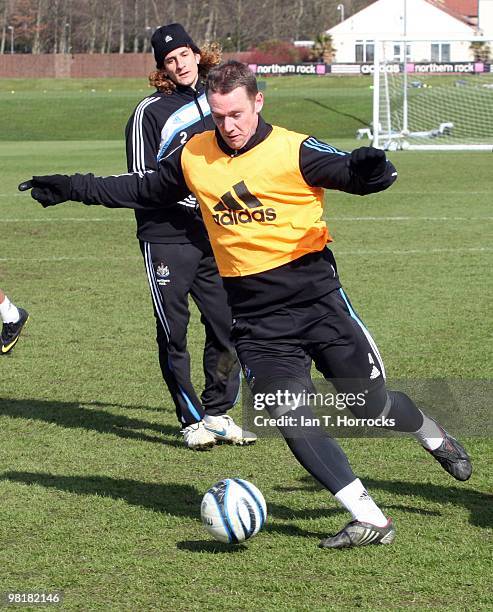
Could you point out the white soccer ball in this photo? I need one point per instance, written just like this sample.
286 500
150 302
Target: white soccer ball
233 510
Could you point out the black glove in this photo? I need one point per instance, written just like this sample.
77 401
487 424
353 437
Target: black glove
48 190
368 162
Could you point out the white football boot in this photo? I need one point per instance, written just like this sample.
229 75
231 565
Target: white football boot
197 437
224 429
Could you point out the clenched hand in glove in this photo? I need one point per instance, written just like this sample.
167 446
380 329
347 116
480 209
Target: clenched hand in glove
367 162
48 190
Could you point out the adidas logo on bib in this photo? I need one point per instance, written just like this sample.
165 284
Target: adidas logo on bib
231 212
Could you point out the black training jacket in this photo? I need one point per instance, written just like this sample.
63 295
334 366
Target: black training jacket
160 123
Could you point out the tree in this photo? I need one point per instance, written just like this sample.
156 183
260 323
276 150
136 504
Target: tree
481 51
323 49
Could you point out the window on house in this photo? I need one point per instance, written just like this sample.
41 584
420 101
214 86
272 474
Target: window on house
440 52
398 52
358 52
364 51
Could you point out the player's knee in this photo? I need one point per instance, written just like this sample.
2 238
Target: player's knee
375 404
161 337
227 366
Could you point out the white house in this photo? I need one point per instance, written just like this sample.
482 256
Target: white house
435 30
485 18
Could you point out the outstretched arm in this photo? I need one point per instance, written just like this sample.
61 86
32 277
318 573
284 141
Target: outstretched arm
363 171
151 190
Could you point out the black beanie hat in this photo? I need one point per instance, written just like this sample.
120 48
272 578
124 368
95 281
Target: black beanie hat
168 38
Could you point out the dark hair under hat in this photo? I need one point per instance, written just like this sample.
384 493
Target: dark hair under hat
169 37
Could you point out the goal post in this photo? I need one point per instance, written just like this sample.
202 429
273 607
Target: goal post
435 95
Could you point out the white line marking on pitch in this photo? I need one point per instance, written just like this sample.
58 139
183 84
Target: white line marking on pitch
63 258
16 193
416 251
342 252
329 219
71 220
409 219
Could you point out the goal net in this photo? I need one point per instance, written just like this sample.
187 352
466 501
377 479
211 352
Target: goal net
442 101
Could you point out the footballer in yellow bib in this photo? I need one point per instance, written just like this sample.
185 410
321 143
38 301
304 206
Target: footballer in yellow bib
260 191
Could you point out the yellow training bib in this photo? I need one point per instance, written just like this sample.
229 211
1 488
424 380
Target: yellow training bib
259 211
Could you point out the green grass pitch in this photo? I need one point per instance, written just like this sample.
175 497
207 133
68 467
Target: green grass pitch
100 500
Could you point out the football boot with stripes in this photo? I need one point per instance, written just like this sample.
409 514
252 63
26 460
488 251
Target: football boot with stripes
11 332
358 533
226 430
197 437
452 457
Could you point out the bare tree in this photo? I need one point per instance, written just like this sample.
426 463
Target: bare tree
107 34
188 16
136 38
122 26
299 18
211 22
93 30
157 16
5 15
38 27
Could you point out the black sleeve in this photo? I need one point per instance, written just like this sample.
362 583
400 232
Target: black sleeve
322 165
144 191
142 138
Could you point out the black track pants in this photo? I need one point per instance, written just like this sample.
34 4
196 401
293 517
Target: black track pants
173 272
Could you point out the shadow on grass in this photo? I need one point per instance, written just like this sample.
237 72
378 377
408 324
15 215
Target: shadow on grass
128 406
479 504
291 530
219 547
172 498
337 111
73 415
286 513
210 546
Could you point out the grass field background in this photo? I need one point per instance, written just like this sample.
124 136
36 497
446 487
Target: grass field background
99 497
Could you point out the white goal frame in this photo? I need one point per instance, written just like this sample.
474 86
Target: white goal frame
389 134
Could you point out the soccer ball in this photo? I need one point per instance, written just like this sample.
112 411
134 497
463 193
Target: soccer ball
233 510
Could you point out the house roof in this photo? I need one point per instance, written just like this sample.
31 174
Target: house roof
392 19
469 8
465 10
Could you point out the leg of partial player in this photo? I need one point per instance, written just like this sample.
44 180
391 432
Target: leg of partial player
13 320
170 271
221 367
